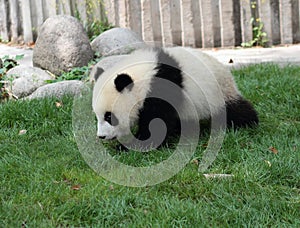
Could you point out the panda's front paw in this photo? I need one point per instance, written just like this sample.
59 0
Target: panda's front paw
121 148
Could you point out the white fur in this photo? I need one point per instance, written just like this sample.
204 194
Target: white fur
125 105
206 82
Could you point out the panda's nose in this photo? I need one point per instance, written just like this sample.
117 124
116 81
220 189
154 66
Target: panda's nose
102 137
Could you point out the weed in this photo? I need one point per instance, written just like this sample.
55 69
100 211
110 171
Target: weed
259 37
95 28
77 73
6 63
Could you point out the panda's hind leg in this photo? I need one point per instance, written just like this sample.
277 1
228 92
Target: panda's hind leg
241 113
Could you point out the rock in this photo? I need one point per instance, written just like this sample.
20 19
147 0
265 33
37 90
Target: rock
105 64
24 80
62 44
58 89
117 41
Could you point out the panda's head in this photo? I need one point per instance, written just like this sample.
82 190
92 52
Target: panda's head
119 94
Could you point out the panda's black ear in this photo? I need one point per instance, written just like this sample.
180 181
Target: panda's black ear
123 81
98 72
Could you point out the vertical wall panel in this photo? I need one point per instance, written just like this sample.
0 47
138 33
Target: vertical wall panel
296 21
167 38
135 19
207 24
111 11
275 22
237 22
197 23
176 29
37 16
65 6
246 26
51 7
3 21
156 18
82 11
123 18
147 21
286 21
227 23
27 24
216 20
265 16
117 14
94 10
188 33
14 19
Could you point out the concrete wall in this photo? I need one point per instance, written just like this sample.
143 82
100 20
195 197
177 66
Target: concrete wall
194 23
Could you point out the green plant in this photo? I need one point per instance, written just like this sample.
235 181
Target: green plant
77 73
259 36
95 28
6 64
3 40
9 62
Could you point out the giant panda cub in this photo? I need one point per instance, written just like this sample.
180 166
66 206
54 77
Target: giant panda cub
167 84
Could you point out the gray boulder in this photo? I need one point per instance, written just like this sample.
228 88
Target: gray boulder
105 64
62 44
117 41
58 89
24 80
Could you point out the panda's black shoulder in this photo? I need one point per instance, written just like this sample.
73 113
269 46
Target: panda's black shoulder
168 68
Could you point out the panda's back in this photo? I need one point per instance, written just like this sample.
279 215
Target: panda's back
205 81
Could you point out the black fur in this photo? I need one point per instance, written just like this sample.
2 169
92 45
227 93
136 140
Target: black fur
162 100
168 68
111 119
240 113
98 72
157 108
123 81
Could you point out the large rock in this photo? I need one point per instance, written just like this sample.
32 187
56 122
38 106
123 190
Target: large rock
105 64
62 44
117 41
58 89
24 80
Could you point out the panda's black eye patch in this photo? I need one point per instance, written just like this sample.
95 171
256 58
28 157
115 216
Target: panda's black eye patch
111 119
123 81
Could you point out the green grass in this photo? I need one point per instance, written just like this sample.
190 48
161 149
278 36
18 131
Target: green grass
40 169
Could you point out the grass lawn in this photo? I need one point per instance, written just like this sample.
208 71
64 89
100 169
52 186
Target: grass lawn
44 181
